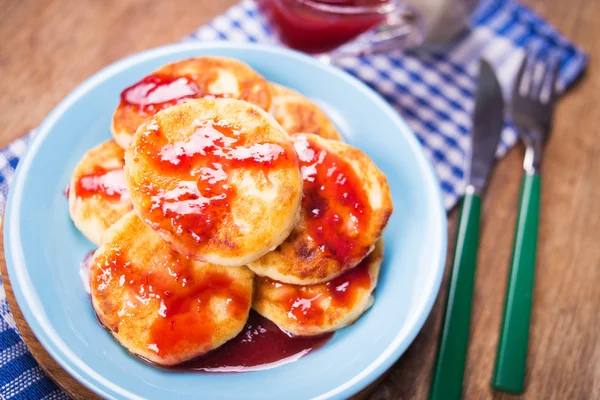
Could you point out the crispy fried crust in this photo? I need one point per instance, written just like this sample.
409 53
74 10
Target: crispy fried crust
159 304
301 260
263 195
94 214
213 76
297 114
317 309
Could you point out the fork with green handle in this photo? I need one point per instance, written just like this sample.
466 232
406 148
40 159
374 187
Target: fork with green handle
533 101
487 126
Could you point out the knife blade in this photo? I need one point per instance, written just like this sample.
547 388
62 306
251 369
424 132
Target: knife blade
487 126
488 120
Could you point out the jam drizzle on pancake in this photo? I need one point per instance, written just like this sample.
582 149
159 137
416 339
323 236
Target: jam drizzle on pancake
260 345
158 91
306 304
181 295
202 198
107 183
336 208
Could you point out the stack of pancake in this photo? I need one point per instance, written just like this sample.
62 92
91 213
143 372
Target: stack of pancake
219 193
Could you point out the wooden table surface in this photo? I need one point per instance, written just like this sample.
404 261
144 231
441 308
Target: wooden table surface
47 47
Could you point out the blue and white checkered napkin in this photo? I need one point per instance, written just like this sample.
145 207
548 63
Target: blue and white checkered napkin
433 91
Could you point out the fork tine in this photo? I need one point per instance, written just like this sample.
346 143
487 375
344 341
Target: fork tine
519 79
550 83
538 79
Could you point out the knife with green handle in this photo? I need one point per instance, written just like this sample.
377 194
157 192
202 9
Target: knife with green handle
488 120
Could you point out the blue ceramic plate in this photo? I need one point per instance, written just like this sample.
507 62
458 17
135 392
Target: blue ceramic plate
44 249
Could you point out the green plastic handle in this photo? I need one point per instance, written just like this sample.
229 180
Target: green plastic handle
509 374
452 351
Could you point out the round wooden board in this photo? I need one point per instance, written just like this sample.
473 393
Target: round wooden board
62 378
75 389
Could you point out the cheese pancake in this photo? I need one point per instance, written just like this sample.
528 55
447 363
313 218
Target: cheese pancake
177 82
98 196
316 309
217 179
346 205
161 305
297 114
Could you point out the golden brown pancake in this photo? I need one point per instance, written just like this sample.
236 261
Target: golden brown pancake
217 179
161 305
97 193
325 307
345 207
297 114
177 82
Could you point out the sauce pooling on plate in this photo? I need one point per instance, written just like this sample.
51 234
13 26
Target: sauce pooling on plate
261 345
204 163
185 297
107 183
336 206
